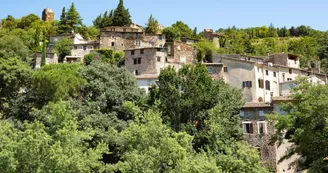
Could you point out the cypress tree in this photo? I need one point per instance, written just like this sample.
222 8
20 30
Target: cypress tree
152 26
74 19
121 15
62 26
44 53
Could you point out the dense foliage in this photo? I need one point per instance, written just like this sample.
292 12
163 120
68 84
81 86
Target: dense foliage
305 124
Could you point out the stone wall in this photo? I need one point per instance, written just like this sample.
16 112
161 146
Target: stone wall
130 40
51 58
261 141
152 60
48 15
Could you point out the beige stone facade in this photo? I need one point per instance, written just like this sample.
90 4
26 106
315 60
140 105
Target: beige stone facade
51 58
145 61
121 38
48 15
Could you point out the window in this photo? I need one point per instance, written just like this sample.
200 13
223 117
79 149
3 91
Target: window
75 47
247 84
137 42
274 74
139 60
261 127
158 59
267 72
136 72
261 83
135 61
289 79
291 86
141 51
210 70
248 127
290 71
261 113
113 44
243 113
267 85
160 45
132 52
160 37
84 47
225 69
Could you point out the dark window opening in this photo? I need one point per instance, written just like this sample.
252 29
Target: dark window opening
267 85
113 44
139 60
261 128
136 72
267 72
248 127
247 84
289 79
274 74
135 61
290 71
225 69
158 59
132 52
141 51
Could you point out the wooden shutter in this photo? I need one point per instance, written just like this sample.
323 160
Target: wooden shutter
261 84
244 83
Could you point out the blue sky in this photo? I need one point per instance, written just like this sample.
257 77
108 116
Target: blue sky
201 13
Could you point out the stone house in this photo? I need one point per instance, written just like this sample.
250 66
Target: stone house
80 46
51 58
213 36
145 61
258 131
129 37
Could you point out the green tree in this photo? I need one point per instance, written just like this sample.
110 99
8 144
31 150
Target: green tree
205 50
185 96
63 25
63 48
305 125
9 23
12 46
52 144
14 77
73 19
26 21
178 30
306 47
152 25
44 53
101 104
153 147
121 15
56 82
104 20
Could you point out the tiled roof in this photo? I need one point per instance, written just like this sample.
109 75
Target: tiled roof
147 76
282 98
256 105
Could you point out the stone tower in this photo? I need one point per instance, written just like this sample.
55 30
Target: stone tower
48 15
